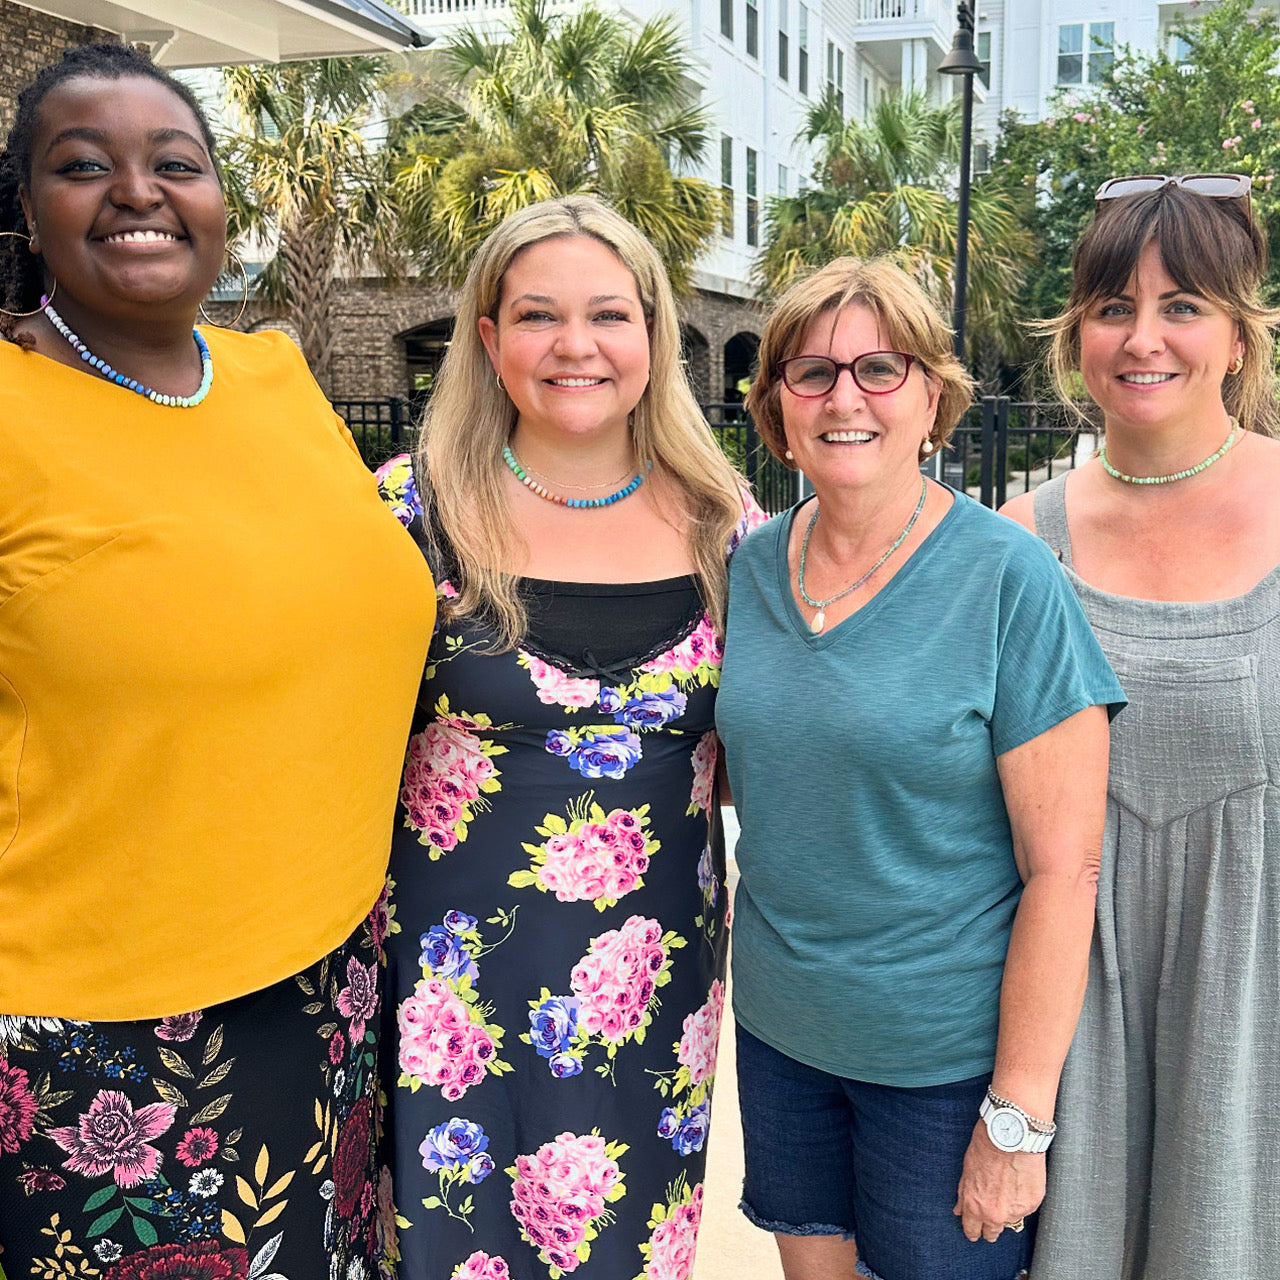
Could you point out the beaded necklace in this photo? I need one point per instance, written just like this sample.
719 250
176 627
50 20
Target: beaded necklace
1177 475
820 618
530 483
156 397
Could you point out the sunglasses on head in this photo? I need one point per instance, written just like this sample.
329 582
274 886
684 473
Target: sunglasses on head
1214 186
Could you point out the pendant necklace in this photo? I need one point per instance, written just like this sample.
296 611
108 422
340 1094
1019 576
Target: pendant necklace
820 618
518 470
1177 475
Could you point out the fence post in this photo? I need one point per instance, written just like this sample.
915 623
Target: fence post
987 492
397 423
1002 449
752 445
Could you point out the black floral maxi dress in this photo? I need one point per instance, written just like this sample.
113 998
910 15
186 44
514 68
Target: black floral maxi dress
556 959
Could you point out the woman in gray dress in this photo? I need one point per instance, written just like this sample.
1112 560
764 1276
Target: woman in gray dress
1172 538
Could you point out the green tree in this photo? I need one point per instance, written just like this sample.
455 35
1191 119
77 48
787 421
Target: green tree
305 179
885 186
1218 110
556 105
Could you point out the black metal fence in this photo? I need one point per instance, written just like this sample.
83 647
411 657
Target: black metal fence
1002 447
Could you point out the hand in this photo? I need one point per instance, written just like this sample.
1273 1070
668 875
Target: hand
997 1187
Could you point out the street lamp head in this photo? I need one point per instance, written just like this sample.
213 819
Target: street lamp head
961 60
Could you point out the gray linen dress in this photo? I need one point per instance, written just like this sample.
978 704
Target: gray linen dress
1167 1164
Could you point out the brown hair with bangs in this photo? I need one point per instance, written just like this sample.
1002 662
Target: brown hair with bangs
1209 247
905 315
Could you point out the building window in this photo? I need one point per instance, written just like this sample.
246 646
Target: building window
982 49
1073 65
835 73
726 184
783 179
753 30
1180 51
726 19
982 157
753 201
802 52
784 44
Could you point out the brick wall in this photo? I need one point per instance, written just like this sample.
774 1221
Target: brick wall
29 41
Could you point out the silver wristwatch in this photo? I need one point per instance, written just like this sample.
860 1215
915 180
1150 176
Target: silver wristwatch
1011 1129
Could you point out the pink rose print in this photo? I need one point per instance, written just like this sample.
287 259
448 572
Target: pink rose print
705 755
616 980
17 1108
555 688
696 659
448 774
197 1146
441 1044
481 1266
561 1197
674 1235
592 857
111 1137
697 1047
358 1000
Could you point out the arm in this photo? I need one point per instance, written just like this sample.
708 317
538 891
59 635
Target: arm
1055 792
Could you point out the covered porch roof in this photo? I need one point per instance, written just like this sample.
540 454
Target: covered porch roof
200 33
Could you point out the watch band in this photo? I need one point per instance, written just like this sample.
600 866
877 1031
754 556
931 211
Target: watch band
1034 1140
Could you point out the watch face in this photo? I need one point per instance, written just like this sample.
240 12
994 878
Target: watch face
1007 1129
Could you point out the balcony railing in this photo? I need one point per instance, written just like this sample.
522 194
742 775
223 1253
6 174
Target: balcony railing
939 12
448 13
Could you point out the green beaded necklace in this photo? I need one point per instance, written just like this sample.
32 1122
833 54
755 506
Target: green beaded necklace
1177 475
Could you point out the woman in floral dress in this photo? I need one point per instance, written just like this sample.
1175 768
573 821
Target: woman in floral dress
558 929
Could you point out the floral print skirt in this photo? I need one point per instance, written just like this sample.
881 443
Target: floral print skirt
235 1142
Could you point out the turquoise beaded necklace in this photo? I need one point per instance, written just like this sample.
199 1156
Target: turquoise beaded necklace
156 397
1177 475
543 492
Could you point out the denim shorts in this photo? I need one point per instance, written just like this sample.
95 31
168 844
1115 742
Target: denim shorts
828 1156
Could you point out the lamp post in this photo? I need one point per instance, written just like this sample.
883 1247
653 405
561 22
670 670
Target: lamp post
961 61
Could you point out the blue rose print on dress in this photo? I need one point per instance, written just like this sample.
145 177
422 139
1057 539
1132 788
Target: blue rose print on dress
596 751
687 1134
457 1151
443 952
553 1024
644 708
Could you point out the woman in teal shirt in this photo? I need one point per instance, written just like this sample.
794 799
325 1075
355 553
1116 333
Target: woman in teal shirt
913 711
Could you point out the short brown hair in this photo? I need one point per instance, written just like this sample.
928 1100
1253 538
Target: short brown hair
1209 247
909 320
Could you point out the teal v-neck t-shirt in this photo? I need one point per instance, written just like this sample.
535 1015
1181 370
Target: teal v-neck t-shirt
878 881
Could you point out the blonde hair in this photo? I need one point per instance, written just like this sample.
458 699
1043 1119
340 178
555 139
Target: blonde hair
470 419
910 323
1209 247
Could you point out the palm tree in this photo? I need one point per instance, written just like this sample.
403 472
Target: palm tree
303 177
884 187
558 104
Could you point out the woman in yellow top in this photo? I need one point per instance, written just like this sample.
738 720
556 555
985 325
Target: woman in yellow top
204 700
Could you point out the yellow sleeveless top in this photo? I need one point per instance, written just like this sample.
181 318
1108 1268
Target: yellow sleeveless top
211 637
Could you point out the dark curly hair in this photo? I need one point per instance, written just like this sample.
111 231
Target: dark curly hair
21 278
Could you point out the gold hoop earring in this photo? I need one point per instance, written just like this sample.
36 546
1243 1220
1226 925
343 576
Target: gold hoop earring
1236 365
497 377
20 315
244 300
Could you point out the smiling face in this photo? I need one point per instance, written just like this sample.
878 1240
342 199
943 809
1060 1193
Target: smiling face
849 437
570 341
1155 355
124 202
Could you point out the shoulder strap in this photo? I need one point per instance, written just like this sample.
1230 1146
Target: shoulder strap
1050 509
